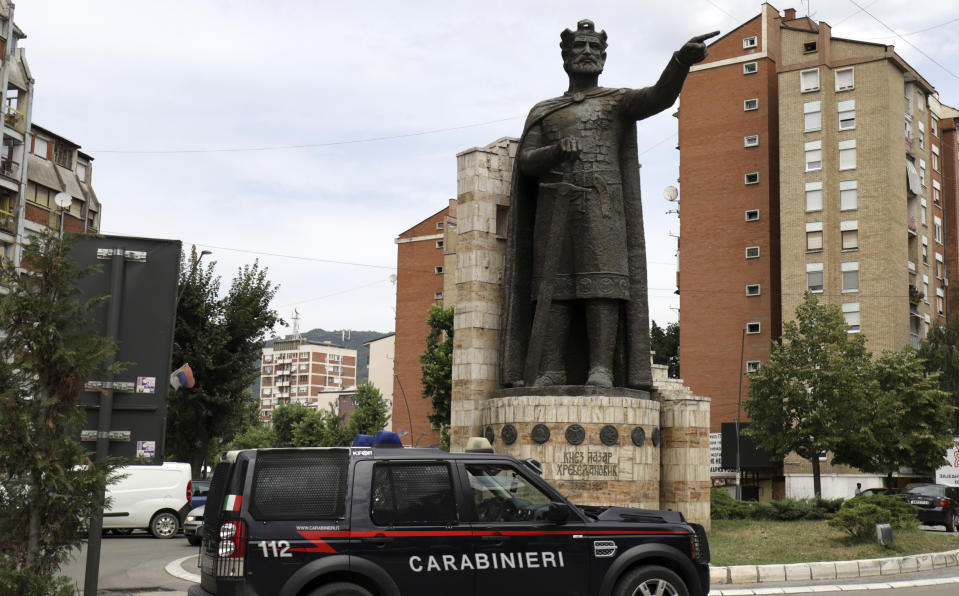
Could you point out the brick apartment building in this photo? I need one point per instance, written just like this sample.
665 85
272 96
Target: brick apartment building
812 162
36 164
307 372
420 263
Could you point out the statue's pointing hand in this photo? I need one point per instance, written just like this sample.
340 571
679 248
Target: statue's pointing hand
694 50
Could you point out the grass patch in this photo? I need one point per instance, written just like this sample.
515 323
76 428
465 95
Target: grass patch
751 542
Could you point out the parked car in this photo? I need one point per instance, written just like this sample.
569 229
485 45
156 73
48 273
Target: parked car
938 504
200 489
193 526
153 498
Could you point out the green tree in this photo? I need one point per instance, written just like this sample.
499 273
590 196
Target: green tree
940 352
804 398
907 421
221 340
322 428
437 366
371 413
47 351
253 436
286 418
665 345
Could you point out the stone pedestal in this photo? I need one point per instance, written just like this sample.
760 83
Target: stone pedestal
685 484
596 449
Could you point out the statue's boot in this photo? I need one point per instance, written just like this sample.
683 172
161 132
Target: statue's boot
552 368
602 322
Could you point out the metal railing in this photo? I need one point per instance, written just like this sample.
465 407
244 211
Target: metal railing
10 168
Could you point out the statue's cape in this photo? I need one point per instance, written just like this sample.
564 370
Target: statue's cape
631 364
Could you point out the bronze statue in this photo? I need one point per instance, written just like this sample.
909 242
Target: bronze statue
575 309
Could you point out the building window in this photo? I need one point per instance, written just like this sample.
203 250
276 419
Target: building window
813 236
82 171
751 141
750 68
922 135
752 215
847 154
847 114
752 252
438 270
845 79
267 390
850 276
923 207
920 101
937 226
814 277
753 328
437 295
940 301
750 42
812 116
850 312
751 104
40 147
935 158
752 178
939 265
439 244
753 290
927 321
849 229
922 172
848 195
752 366
440 225
809 80
936 192
813 156
809 47
925 288
814 196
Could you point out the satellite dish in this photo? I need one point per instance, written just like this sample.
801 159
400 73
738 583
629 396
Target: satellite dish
62 200
670 193
297 310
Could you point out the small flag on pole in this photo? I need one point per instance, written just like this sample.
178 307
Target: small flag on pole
182 377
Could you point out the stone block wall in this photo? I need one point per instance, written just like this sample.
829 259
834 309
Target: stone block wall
482 184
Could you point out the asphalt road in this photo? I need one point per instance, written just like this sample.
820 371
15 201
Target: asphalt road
134 563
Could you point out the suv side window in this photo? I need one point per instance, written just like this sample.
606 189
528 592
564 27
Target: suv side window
300 485
500 493
413 493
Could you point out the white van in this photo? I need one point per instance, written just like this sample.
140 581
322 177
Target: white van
154 498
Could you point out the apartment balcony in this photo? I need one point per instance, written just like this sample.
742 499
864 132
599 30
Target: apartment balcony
911 226
910 144
15 119
10 168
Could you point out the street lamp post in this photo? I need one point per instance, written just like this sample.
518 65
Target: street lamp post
193 268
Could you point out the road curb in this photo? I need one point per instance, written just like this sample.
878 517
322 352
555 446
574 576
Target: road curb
917 583
174 568
797 572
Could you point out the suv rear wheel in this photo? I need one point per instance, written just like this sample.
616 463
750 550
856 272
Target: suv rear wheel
340 589
164 525
653 579
950 521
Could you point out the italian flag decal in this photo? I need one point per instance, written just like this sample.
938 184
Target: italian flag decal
232 502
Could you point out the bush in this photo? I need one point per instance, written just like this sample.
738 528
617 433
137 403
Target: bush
858 516
723 506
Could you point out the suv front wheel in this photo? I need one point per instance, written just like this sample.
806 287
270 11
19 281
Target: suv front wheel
651 580
164 525
340 589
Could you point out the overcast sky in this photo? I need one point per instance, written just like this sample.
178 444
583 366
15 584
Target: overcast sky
190 108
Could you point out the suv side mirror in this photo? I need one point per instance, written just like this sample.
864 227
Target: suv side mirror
558 512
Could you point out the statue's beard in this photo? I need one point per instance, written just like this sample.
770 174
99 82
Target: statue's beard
586 67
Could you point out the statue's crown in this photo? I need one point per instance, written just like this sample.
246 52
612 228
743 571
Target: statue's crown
584 27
